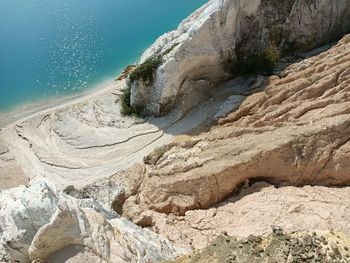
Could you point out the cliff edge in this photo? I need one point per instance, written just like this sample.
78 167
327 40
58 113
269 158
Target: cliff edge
294 132
214 41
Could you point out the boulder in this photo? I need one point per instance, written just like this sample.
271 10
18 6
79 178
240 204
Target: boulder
41 224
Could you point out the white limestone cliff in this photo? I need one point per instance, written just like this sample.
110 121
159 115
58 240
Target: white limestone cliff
207 44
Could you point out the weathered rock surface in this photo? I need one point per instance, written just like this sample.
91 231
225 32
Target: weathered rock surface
42 224
12 174
295 132
275 248
254 210
86 140
22 213
221 33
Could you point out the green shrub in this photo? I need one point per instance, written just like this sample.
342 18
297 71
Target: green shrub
126 108
264 63
146 70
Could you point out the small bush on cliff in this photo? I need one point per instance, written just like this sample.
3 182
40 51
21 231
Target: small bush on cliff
146 70
126 108
264 63
125 102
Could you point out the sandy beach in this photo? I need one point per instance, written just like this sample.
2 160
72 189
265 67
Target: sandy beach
30 109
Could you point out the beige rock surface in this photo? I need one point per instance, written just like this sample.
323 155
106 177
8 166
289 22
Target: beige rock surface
255 210
295 132
321 246
11 174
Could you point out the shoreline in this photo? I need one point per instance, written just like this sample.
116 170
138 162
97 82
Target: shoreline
30 109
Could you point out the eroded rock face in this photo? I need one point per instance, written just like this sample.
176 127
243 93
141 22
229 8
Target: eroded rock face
219 34
255 209
40 223
296 131
23 212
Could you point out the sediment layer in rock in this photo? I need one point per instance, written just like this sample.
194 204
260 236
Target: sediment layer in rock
87 140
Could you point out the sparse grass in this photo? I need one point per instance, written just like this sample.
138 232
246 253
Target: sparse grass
146 70
263 63
126 72
167 51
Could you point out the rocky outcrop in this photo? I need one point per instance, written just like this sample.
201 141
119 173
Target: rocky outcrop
41 223
23 212
295 132
223 32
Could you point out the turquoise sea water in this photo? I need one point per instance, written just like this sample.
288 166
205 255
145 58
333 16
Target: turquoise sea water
52 48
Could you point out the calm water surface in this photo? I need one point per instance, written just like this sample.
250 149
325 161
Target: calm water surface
52 48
